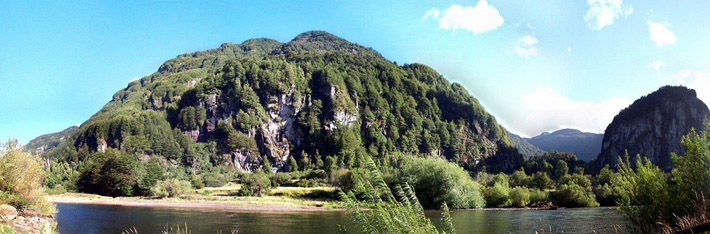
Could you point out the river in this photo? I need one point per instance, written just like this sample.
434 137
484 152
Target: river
88 219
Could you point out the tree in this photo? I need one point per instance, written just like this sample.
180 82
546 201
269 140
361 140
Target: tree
111 173
292 165
266 165
561 169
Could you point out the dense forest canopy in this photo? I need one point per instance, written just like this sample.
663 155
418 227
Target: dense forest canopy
242 106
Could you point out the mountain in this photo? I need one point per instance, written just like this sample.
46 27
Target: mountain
584 145
524 147
315 96
49 141
653 126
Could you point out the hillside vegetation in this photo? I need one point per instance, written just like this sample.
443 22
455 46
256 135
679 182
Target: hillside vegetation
317 102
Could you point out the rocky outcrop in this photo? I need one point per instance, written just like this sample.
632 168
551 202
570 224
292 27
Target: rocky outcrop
25 222
7 212
279 132
653 126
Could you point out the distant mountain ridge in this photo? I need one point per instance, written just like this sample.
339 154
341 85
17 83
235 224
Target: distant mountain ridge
653 126
585 145
49 141
524 147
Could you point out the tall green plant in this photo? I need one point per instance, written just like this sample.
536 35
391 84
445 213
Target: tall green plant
386 210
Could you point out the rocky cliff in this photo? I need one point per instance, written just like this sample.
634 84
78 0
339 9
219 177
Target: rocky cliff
653 126
314 96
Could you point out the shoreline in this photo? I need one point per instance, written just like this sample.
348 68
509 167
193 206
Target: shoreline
252 204
255 205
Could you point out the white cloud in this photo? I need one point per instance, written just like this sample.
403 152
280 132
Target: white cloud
655 65
478 19
569 49
526 46
433 13
549 110
602 13
700 81
660 34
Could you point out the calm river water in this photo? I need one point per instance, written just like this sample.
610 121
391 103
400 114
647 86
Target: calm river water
87 219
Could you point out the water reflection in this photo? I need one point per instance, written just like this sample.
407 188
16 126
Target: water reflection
87 219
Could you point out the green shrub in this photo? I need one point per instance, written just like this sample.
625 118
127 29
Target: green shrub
255 184
437 181
21 178
537 195
280 178
574 195
498 195
196 182
519 197
171 188
213 179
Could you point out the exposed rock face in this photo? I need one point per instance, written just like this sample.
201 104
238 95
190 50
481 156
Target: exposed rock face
653 126
278 132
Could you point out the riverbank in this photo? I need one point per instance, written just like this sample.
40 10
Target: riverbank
197 201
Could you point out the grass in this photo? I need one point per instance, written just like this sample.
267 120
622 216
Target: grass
321 197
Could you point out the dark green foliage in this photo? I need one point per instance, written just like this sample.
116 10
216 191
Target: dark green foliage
292 164
150 172
266 165
111 173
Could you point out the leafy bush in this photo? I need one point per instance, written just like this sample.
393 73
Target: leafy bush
498 195
21 178
171 188
196 182
255 184
574 195
519 197
213 179
537 195
280 178
437 181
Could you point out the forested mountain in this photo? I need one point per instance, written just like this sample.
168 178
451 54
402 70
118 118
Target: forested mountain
524 147
262 103
584 145
49 141
653 126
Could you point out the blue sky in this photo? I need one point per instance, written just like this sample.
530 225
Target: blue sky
535 66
